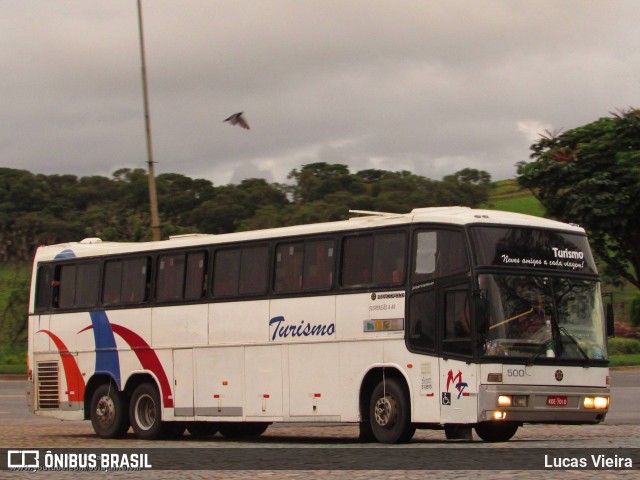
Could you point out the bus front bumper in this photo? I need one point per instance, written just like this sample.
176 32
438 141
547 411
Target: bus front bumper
543 404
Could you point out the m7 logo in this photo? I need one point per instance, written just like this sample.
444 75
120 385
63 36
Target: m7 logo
458 383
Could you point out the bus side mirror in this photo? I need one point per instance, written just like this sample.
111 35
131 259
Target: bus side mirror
610 320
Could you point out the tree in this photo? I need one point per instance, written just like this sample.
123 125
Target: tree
591 176
317 180
472 187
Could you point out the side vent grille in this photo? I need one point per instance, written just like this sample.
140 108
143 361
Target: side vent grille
48 393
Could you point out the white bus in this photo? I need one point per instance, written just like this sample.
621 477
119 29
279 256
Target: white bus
445 318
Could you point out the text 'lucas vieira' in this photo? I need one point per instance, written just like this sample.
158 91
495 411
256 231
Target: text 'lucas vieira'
597 461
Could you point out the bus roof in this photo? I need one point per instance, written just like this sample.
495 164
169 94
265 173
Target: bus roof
435 215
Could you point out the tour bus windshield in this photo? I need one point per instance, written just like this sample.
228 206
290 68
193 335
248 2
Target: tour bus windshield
533 316
536 318
533 248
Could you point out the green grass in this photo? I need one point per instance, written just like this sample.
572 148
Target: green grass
13 369
623 360
508 196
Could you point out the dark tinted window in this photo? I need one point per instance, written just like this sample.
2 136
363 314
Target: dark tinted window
44 285
456 335
254 270
318 264
422 318
226 273
377 259
112 282
76 285
66 285
170 277
126 281
196 275
530 248
87 276
241 271
304 266
289 263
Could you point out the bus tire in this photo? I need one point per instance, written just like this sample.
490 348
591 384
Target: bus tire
202 429
145 412
496 431
109 416
390 412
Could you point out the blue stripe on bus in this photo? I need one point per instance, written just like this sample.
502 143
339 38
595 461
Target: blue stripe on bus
107 360
65 254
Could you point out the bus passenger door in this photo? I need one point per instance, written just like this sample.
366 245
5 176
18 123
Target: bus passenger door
458 394
183 382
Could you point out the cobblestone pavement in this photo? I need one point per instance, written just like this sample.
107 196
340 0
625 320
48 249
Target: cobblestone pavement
621 430
46 433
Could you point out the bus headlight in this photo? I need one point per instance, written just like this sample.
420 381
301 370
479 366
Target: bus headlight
513 401
598 403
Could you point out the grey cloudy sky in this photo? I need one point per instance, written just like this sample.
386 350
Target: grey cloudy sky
426 86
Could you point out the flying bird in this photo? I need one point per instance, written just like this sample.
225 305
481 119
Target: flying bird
238 119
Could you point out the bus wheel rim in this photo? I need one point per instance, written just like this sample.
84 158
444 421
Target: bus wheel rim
386 411
145 412
105 411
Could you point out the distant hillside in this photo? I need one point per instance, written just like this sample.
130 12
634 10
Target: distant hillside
507 195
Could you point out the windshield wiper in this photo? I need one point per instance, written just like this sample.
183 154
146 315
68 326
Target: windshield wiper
575 342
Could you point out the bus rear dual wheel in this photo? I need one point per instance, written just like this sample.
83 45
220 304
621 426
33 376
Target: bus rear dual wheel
145 412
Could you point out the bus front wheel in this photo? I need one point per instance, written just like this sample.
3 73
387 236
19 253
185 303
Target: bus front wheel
390 413
109 412
496 431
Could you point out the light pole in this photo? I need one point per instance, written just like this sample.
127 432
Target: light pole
153 195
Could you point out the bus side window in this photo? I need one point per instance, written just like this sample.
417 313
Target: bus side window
289 259
422 318
318 265
357 260
87 285
126 281
426 249
254 270
439 253
44 288
389 261
170 277
226 270
65 283
241 271
135 280
112 282
457 322
195 281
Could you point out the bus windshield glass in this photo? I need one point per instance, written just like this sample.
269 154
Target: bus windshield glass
537 318
518 247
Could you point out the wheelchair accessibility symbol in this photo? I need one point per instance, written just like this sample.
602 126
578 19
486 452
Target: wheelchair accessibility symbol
446 398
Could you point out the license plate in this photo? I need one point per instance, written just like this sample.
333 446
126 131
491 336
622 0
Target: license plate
557 401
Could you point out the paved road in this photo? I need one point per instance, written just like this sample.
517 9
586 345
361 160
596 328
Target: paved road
20 429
